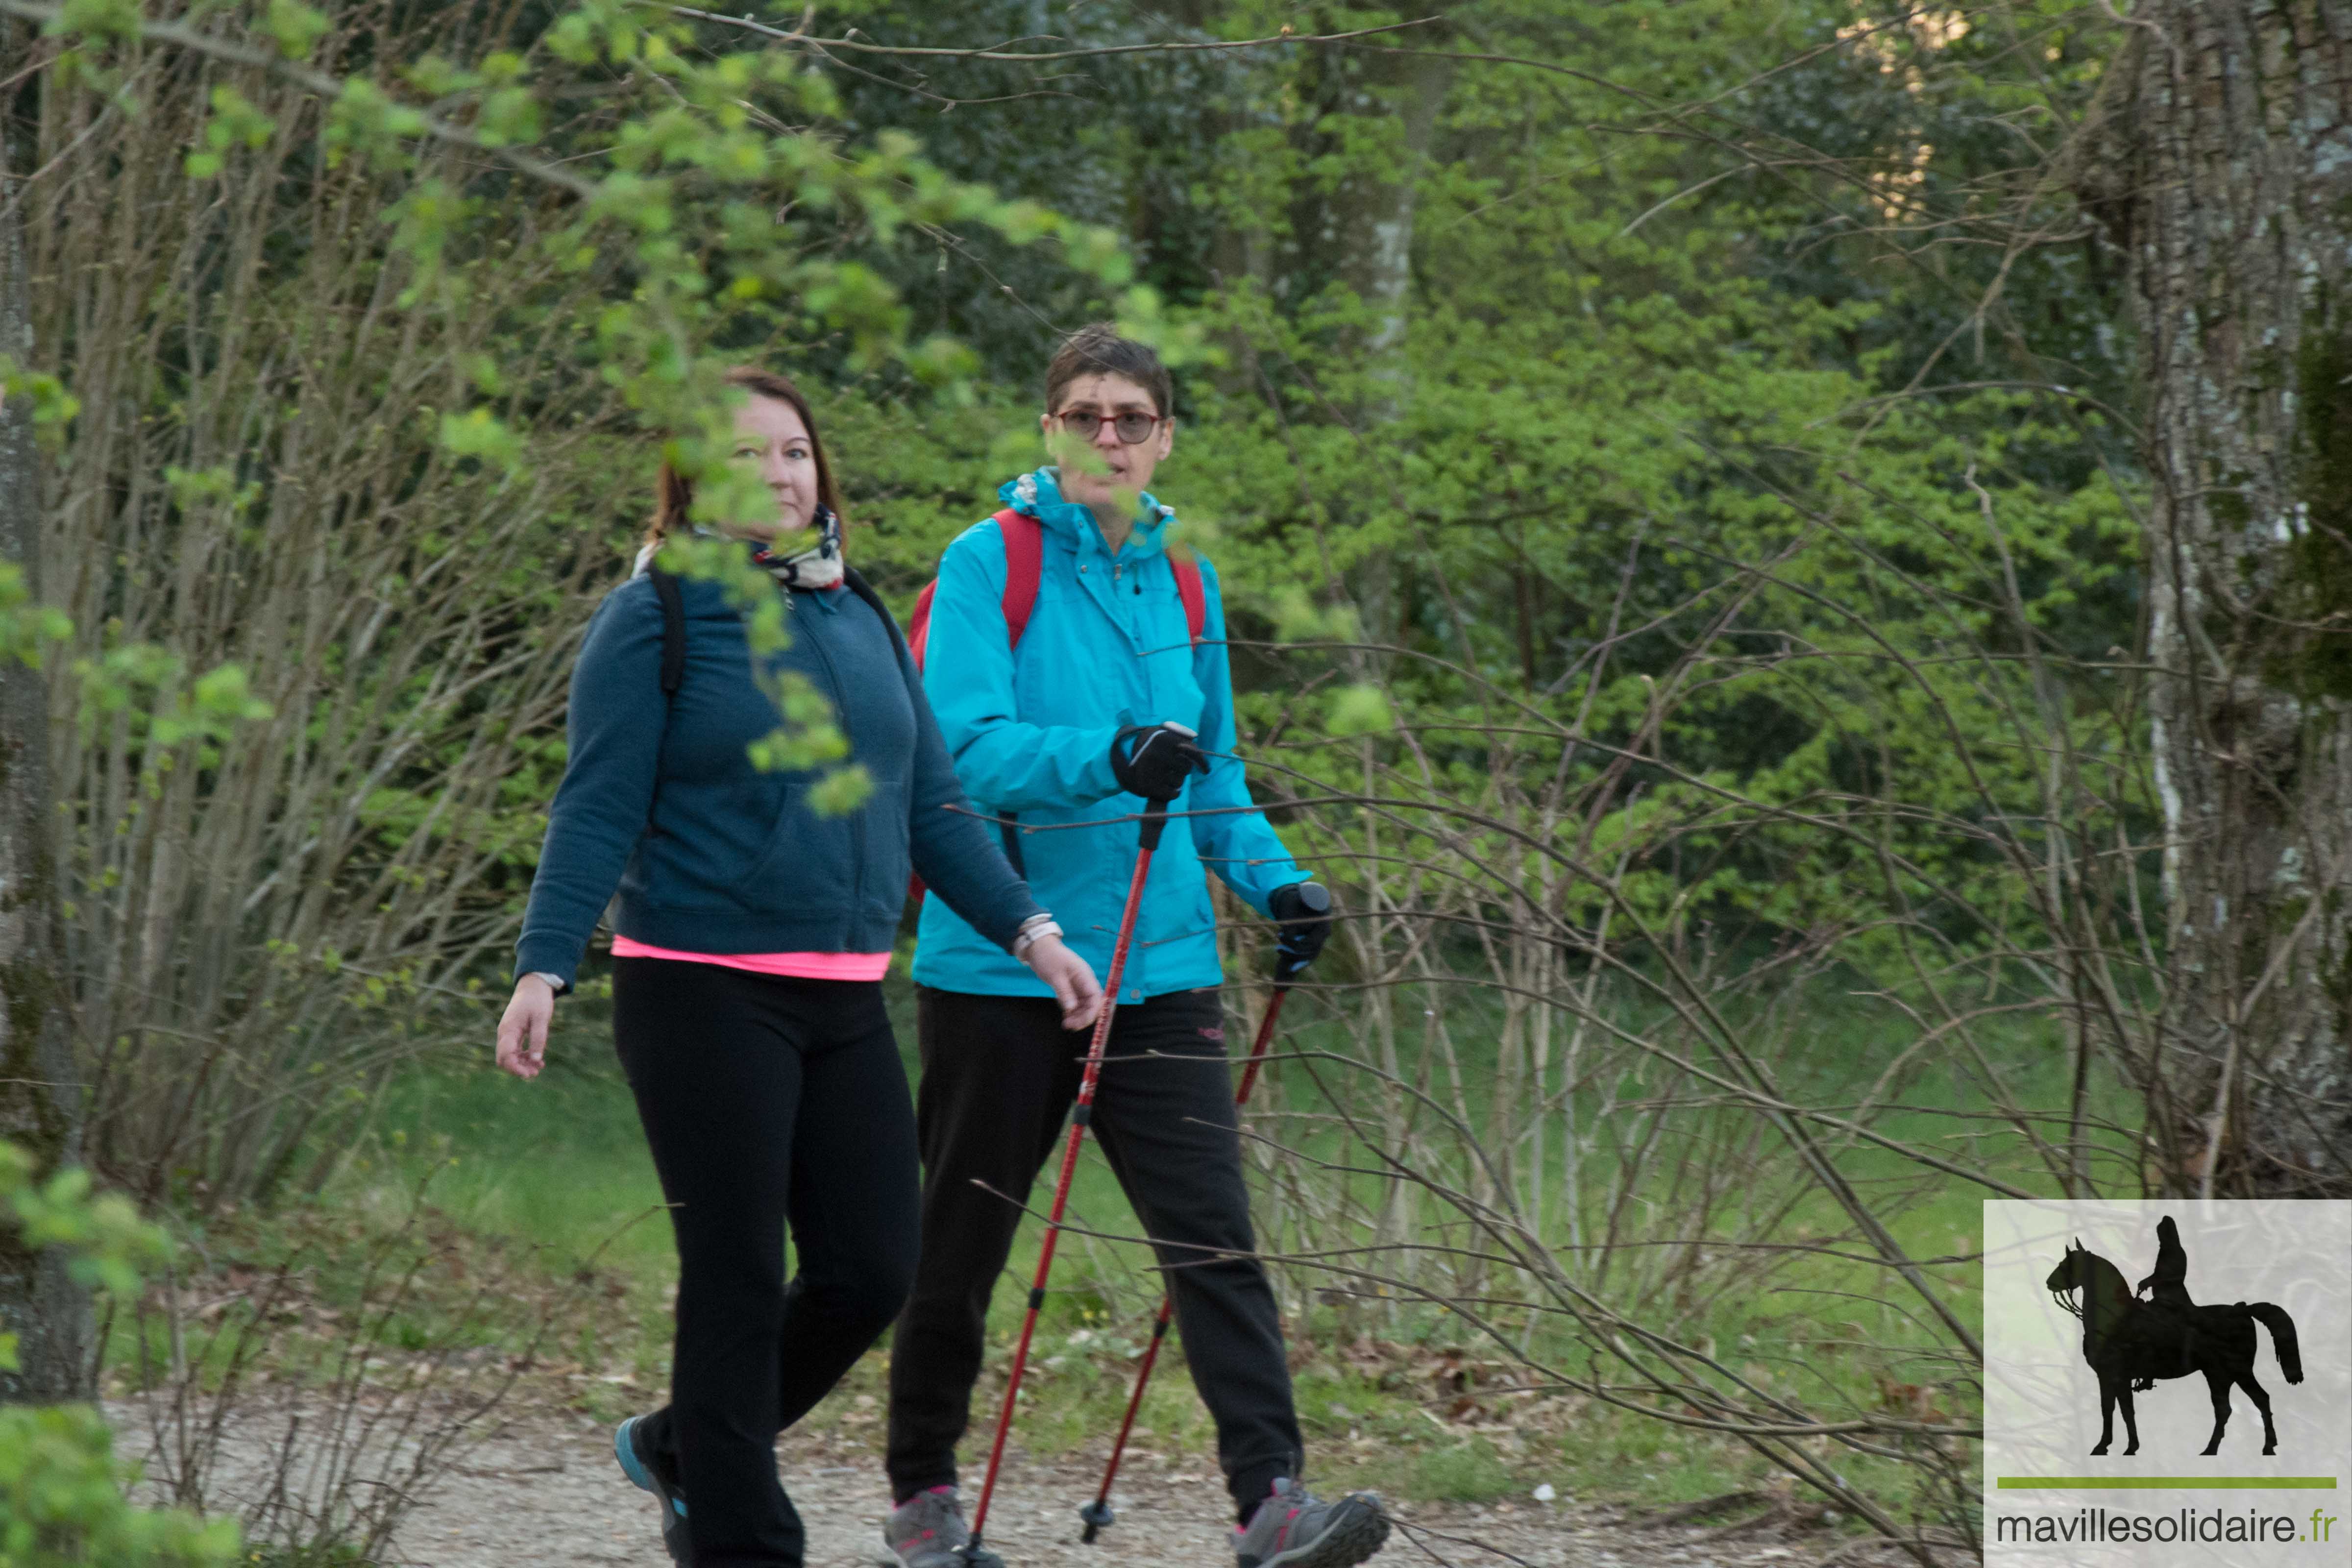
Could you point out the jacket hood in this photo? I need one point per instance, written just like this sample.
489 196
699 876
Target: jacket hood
1039 495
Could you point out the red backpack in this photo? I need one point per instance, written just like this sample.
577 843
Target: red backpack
1024 563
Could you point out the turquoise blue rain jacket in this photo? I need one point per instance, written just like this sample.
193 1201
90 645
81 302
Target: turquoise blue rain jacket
1030 730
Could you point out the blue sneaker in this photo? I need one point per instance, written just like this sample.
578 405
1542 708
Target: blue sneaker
645 1474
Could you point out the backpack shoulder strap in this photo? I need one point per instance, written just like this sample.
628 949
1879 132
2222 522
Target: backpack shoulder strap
865 590
673 673
1024 563
672 610
1195 595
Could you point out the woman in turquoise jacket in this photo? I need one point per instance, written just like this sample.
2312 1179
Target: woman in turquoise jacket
1104 699
1107 648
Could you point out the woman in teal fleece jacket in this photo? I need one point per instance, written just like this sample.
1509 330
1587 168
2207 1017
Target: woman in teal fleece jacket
752 935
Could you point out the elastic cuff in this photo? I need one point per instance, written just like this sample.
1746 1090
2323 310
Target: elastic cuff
541 957
904 1493
1254 1485
565 974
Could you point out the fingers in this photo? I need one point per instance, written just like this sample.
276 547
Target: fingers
1066 994
511 1044
1087 996
522 1038
1075 990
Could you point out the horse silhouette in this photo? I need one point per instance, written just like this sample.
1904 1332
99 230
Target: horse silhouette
2126 1340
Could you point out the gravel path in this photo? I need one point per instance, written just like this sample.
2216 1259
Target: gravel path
545 1491
552 1494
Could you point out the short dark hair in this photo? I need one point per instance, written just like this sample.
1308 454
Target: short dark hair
674 492
1096 348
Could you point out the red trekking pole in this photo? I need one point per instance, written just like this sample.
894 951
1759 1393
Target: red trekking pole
1098 1514
1155 821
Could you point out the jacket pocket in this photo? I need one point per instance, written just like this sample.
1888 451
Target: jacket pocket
805 865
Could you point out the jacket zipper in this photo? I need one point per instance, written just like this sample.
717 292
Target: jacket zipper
841 711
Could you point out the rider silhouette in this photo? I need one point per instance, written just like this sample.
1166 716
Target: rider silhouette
2166 1286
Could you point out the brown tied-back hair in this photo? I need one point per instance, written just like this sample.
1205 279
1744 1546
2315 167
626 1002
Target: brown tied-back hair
674 492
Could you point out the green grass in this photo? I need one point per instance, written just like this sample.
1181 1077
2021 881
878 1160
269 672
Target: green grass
559 1166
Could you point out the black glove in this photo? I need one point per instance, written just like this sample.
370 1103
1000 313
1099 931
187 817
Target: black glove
1154 759
1304 911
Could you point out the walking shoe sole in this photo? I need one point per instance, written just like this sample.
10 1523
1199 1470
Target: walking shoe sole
1357 1529
642 1477
964 1557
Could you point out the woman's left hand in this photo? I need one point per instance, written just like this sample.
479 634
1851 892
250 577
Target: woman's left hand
1074 985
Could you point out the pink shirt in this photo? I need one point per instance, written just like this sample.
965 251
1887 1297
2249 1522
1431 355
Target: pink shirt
791 965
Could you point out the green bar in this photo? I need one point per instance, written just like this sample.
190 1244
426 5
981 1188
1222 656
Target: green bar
2164 1483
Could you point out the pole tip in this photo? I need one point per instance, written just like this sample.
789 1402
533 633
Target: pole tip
1098 1517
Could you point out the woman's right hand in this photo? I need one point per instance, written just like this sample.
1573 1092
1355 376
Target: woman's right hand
1074 983
522 1033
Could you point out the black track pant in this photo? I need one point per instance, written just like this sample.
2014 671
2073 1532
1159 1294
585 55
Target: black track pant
768 1101
999 1076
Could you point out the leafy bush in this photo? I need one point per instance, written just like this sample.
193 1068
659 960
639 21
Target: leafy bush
64 1495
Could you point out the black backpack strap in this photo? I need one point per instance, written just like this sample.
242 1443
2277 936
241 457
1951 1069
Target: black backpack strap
673 609
865 590
673 671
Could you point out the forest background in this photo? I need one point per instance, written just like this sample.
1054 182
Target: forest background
1692 487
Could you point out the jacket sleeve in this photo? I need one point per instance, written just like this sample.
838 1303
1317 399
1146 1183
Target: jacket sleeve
1008 766
613 729
955 853
1240 846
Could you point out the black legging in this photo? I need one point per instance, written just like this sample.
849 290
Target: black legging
768 1101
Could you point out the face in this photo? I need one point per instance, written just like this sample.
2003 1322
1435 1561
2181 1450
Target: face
1098 469
770 439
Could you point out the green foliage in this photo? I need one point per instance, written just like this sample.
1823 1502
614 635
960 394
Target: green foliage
109 1244
25 627
62 1492
53 406
295 29
234 123
140 682
62 1501
1361 710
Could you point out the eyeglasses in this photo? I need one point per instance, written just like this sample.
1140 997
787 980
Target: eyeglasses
1129 425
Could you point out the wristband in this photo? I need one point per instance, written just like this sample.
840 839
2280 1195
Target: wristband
1031 930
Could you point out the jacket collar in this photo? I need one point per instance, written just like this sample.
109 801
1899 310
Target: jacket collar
1039 495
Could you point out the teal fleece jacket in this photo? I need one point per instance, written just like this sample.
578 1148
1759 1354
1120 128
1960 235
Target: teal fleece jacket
660 798
1030 727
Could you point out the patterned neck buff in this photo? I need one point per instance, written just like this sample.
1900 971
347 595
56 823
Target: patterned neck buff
818 567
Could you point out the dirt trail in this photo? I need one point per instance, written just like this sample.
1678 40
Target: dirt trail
549 1493
545 1491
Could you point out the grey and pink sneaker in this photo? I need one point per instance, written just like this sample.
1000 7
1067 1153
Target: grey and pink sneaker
928 1531
1292 1529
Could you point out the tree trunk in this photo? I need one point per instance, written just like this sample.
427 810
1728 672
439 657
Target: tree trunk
39 1109
2220 160
1360 233
1370 216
